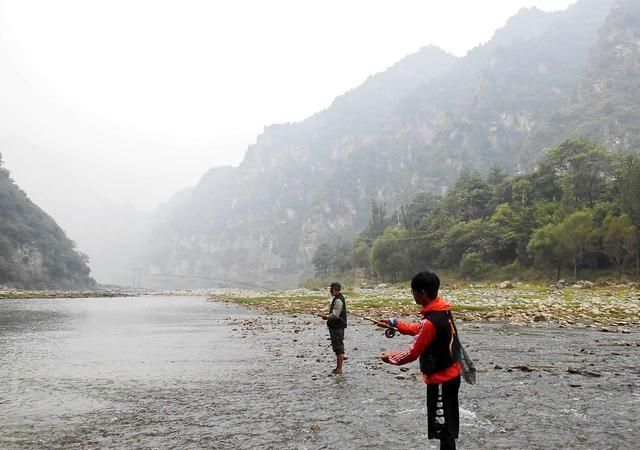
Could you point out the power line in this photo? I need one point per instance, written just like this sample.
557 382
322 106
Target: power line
411 238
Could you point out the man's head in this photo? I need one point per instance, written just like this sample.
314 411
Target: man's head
335 288
424 287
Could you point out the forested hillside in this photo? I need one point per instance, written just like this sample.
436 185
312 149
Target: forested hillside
35 253
415 128
577 213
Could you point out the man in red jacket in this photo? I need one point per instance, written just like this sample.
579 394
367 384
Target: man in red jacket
439 356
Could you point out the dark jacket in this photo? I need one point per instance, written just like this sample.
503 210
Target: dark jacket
426 334
341 321
442 351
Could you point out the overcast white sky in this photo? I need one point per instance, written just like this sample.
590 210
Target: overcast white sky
154 92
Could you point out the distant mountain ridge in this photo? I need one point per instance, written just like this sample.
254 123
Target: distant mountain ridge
414 128
609 89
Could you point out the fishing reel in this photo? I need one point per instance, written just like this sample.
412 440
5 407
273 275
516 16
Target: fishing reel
390 332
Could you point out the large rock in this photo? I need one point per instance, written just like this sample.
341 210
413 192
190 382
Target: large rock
506 285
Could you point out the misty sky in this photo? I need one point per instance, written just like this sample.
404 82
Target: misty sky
135 99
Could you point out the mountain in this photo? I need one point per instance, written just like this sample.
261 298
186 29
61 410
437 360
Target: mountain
107 231
520 85
35 253
413 128
245 223
606 104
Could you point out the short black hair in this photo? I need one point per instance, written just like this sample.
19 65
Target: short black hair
428 282
336 285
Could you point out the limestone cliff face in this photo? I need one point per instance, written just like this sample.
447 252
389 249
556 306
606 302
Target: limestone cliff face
413 128
261 222
605 106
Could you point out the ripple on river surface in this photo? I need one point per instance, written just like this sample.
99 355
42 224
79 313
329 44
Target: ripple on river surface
185 373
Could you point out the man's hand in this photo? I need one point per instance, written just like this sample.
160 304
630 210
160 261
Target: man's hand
323 317
385 357
383 323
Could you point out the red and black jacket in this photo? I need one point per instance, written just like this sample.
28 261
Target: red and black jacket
434 343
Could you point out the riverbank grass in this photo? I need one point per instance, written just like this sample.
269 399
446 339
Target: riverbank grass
520 304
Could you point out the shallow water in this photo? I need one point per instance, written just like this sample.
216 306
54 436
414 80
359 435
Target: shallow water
187 373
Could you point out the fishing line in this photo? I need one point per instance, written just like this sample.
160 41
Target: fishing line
390 331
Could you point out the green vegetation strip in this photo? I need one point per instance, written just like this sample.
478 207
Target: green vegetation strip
577 307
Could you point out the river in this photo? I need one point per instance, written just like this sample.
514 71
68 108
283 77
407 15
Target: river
190 373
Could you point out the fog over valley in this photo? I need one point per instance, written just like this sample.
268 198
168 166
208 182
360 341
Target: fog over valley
196 141
214 216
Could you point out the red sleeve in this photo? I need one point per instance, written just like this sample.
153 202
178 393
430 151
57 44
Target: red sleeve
411 329
419 344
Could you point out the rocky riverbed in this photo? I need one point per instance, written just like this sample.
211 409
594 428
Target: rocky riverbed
538 387
607 306
614 307
556 368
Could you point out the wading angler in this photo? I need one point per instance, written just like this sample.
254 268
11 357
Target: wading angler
337 323
437 347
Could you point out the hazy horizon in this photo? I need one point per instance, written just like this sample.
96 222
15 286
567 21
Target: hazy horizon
134 101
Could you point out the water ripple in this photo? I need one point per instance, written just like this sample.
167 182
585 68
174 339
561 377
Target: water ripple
170 373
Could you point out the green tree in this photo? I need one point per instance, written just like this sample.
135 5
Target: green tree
425 221
340 262
377 221
507 234
418 215
628 189
522 191
544 248
458 240
389 255
583 170
359 254
472 266
619 239
574 232
496 175
469 198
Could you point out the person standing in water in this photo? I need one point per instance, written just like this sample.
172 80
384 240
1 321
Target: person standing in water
438 349
337 322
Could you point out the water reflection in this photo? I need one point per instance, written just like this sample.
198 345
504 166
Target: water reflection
73 368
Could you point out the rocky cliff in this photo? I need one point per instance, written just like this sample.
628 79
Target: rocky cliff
414 128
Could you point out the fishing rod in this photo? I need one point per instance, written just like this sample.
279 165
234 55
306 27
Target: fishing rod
389 332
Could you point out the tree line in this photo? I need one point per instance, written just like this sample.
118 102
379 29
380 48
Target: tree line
578 211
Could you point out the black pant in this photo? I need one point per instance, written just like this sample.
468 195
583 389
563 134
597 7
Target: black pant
337 340
448 444
443 414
